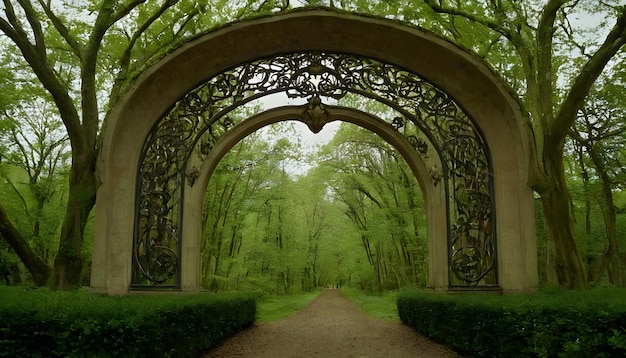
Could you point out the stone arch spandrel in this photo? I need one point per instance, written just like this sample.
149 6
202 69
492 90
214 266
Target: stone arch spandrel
465 78
458 73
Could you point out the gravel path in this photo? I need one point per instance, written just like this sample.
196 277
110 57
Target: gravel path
331 326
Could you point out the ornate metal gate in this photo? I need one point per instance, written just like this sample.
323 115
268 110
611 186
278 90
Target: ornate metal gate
426 116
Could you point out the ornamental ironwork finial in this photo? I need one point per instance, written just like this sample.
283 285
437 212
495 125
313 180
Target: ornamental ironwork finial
315 115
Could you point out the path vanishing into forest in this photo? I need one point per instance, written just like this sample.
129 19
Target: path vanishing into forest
331 326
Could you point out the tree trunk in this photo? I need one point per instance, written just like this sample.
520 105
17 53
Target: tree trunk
15 273
68 262
584 175
610 218
555 199
34 264
314 279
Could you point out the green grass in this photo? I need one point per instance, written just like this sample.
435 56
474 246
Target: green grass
381 307
273 308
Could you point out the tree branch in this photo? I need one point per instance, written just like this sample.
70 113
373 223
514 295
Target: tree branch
31 16
40 66
125 9
438 8
35 265
125 59
545 34
9 27
592 69
18 193
61 28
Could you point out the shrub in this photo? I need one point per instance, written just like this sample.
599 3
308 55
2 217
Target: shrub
549 324
43 323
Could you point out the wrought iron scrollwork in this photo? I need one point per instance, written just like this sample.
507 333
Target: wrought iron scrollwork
428 118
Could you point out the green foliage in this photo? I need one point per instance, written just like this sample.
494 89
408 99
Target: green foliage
86 54
44 323
552 323
254 237
382 200
596 151
269 230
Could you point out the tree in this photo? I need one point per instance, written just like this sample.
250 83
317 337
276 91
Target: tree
599 136
379 193
314 208
251 181
37 267
32 143
552 110
39 148
530 44
63 45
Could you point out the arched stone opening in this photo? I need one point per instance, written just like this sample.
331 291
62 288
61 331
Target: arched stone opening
470 83
194 196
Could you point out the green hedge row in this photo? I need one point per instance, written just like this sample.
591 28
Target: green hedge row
557 324
81 324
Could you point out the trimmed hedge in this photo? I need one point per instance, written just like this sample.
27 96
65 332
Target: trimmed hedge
556 324
82 324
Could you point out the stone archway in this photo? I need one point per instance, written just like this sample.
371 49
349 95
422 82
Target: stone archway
436 209
482 98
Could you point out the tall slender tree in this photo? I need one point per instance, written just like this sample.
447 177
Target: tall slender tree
600 136
379 193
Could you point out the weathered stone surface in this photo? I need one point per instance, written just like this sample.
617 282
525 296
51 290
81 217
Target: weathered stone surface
464 77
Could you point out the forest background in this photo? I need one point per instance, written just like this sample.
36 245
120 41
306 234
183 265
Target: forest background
355 217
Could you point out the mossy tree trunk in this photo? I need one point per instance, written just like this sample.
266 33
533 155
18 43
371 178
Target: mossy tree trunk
556 202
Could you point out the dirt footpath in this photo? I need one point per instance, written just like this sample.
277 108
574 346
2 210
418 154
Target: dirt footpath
331 326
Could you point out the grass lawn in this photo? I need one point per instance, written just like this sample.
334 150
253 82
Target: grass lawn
273 308
382 307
